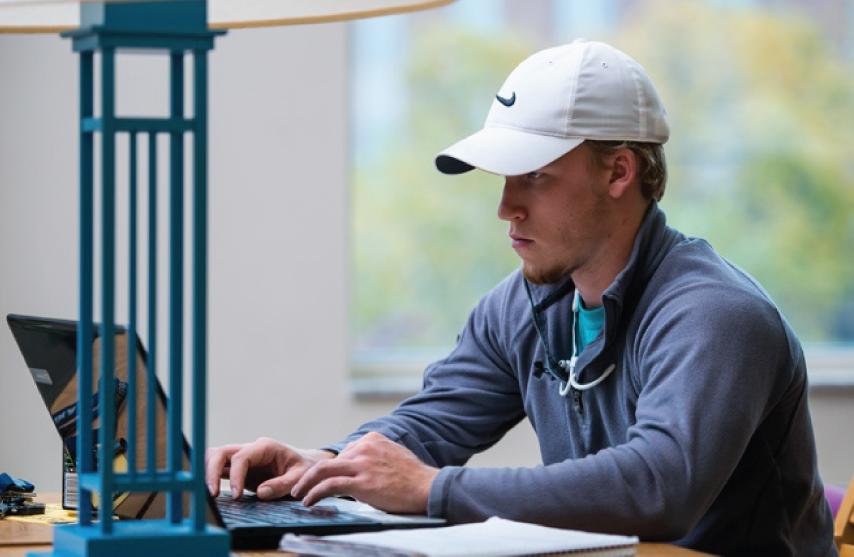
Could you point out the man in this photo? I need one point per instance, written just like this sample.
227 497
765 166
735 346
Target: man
667 392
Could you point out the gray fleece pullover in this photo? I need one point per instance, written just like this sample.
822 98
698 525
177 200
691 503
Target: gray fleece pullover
701 436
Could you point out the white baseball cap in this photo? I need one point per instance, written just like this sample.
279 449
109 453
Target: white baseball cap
552 102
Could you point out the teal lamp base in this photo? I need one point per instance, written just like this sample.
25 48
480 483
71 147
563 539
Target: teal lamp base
142 538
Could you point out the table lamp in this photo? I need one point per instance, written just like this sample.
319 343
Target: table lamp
175 28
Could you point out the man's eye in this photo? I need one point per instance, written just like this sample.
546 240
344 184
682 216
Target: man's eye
532 176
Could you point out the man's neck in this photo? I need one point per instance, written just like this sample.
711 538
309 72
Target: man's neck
610 259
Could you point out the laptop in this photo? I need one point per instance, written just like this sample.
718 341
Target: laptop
49 347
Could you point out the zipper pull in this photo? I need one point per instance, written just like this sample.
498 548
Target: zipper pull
577 403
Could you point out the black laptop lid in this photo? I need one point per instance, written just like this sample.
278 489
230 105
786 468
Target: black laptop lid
49 348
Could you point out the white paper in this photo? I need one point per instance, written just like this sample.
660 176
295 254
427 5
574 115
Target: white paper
496 537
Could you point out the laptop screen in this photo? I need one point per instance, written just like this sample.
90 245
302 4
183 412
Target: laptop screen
49 347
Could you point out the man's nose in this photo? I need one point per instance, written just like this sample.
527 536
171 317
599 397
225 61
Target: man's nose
510 207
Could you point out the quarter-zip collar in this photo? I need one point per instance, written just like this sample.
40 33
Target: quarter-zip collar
653 241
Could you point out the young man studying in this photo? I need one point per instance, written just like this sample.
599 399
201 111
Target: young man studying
667 392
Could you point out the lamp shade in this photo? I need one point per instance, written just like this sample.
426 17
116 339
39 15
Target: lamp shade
51 16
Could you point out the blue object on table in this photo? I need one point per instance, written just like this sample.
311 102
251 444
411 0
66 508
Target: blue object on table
8 483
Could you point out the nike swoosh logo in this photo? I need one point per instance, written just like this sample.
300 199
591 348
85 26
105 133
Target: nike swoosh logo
506 101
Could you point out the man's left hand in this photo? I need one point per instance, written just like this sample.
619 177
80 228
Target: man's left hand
374 470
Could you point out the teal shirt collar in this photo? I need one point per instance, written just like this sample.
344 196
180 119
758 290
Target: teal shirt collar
590 323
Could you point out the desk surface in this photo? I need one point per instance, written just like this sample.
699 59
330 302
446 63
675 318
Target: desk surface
37 537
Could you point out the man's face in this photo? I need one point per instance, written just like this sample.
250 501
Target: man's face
558 215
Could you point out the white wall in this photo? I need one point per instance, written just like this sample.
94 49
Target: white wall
279 242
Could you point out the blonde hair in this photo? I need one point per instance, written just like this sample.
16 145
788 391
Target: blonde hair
652 166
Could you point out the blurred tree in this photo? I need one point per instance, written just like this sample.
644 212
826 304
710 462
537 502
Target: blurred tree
428 246
761 107
761 110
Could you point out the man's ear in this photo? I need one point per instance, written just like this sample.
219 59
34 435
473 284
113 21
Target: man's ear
624 171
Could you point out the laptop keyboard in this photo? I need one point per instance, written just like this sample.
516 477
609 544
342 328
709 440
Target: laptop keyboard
281 513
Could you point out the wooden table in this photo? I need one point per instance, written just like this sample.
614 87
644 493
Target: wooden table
38 537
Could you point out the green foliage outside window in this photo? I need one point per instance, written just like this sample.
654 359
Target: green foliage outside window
761 108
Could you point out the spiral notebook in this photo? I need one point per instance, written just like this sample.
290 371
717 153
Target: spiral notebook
495 537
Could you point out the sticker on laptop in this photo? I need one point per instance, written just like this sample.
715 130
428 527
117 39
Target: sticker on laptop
41 376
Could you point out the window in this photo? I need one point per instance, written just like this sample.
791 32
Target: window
760 95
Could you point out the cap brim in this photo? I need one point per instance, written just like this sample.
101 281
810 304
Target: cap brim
504 151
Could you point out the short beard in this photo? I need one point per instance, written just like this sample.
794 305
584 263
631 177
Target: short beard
544 276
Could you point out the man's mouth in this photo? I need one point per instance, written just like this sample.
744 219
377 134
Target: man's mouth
520 241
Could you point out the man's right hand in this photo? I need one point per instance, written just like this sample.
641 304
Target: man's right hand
265 466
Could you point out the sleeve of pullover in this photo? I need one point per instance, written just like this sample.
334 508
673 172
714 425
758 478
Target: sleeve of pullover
709 366
468 401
